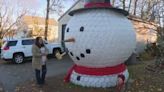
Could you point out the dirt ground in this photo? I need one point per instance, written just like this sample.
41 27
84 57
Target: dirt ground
143 81
13 74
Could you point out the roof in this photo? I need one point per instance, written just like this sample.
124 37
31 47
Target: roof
31 20
69 9
135 18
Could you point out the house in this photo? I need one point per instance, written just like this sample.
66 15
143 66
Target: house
145 31
34 26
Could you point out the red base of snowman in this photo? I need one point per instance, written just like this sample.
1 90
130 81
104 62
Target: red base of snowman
96 77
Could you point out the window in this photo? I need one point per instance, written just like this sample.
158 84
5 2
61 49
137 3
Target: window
11 43
28 42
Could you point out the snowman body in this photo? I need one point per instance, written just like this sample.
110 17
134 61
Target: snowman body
103 38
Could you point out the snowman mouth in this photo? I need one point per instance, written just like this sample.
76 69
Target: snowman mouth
82 55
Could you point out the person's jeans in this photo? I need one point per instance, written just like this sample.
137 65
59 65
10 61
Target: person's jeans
41 74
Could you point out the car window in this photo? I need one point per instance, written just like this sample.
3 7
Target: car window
45 42
28 42
11 43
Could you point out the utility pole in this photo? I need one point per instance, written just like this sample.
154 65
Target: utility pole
47 19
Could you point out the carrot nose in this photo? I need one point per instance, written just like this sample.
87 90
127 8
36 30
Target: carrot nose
70 40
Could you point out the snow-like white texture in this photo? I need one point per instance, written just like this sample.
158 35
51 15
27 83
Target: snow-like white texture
97 81
108 35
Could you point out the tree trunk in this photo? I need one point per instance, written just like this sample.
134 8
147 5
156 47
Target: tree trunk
130 2
123 4
142 9
47 19
135 7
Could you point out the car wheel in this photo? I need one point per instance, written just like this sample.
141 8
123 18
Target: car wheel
18 58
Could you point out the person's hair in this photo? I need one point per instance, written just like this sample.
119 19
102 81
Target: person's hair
37 42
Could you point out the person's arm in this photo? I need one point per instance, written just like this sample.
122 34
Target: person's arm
46 50
35 52
63 54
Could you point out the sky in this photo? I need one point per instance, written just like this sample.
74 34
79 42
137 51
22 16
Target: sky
38 7
66 4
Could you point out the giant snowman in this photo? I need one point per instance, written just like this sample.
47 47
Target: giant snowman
99 39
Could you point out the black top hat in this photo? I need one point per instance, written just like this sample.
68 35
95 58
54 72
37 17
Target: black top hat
99 4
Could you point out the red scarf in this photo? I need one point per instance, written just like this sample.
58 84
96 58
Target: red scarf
95 71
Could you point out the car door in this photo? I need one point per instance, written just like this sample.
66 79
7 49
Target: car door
27 45
48 46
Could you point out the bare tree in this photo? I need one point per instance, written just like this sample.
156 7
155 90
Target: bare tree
9 17
145 9
57 6
148 9
52 6
159 13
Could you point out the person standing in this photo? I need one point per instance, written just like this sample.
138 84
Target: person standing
39 57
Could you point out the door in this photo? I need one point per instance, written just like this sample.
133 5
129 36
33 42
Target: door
62 36
27 45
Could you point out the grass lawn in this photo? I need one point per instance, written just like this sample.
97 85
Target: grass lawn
146 80
143 81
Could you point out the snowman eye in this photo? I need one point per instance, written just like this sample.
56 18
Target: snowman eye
82 55
71 53
81 29
77 58
67 29
88 51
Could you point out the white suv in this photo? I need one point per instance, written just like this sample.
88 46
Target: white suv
19 49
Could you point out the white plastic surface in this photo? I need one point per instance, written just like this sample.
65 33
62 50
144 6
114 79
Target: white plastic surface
109 35
97 81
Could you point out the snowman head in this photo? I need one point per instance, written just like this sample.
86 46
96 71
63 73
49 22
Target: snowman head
102 37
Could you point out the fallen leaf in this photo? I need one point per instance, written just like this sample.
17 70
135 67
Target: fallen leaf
1 89
17 89
159 89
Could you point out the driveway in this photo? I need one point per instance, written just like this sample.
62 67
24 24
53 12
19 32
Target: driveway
12 74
